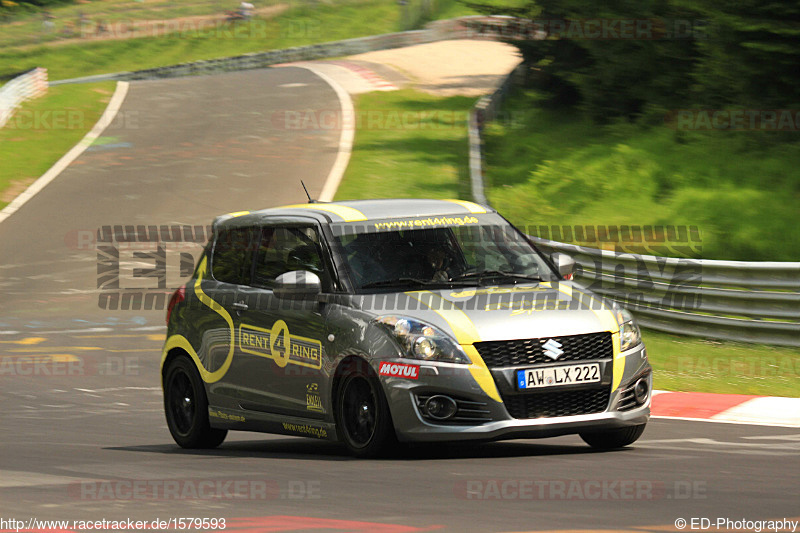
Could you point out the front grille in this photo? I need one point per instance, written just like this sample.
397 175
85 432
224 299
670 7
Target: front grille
499 354
469 412
558 403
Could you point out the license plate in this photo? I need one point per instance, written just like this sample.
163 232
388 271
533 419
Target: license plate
555 376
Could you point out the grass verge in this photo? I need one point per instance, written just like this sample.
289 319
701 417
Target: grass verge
24 25
43 130
546 165
298 26
408 144
692 364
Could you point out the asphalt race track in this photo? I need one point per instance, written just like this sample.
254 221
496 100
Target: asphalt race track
83 431
180 151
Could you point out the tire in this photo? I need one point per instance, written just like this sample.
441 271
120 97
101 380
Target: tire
186 407
613 438
363 420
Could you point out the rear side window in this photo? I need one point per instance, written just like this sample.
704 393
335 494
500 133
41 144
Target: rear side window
233 255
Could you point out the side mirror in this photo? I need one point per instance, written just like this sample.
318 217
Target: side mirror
564 263
297 285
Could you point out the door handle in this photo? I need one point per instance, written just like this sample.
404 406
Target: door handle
240 306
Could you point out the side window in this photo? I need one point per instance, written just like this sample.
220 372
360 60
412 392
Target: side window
233 255
284 249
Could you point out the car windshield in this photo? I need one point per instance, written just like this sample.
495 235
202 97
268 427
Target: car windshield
447 256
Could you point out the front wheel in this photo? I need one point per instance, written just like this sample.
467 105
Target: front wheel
186 407
362 416
613 438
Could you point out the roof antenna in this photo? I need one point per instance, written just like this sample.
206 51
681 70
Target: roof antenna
308 195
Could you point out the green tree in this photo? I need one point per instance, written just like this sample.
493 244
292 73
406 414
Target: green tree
752 55
699 52
613 58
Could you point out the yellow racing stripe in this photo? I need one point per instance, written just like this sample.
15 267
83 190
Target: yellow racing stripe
470 206
480 373
619 363
179 341
348 214
466 334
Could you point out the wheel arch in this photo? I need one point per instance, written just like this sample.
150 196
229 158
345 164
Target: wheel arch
345 366
173 354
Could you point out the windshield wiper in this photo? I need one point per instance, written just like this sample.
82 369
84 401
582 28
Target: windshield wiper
409 281
480 276
397 281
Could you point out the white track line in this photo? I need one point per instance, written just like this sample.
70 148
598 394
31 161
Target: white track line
106 119
345 140
716 421
765 410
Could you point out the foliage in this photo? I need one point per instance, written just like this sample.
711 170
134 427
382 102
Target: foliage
690 53
556 166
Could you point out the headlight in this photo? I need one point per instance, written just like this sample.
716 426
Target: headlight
629 334
422 341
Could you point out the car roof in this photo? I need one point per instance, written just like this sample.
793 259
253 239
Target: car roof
359 211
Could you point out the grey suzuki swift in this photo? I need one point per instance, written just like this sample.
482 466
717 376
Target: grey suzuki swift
373 322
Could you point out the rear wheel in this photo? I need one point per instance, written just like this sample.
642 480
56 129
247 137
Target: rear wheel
613 438
186 407
362 416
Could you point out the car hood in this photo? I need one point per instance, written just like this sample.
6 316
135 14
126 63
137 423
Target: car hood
505 312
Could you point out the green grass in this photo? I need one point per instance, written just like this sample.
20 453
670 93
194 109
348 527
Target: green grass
303 24
44 129
551 166
24 26
408 144
692 364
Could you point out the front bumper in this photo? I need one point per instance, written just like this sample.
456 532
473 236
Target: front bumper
488 419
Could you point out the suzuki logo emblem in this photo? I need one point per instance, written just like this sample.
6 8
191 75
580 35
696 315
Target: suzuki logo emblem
552 349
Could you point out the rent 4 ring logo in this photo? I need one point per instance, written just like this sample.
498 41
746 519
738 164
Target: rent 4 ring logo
280 345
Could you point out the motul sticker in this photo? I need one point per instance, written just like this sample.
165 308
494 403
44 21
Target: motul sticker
397 370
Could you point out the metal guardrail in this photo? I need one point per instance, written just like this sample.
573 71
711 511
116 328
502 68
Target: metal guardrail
472 27
485 110
755 302
735 300
29 85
